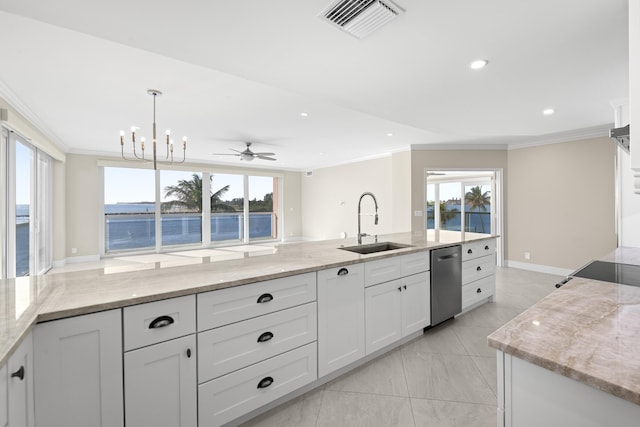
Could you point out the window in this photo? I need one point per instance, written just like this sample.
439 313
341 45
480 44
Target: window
26 207
181 207
460 201
262 207
227 208
129 209
186 208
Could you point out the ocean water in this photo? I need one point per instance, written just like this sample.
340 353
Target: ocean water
477 222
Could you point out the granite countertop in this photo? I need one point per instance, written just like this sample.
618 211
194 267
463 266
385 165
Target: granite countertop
159 276
587 330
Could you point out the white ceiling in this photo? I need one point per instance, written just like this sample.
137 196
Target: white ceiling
244 70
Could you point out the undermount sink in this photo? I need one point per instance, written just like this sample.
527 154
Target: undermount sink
374 247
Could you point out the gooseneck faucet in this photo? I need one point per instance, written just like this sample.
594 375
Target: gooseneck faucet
375 221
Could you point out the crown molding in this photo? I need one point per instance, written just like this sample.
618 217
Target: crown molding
568 136
21 108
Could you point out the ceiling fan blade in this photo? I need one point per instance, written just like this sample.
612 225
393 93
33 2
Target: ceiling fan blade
224 154
265 154
264 157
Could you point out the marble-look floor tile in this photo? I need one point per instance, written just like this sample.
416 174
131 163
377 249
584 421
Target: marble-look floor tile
384 375
488 368
445 377
474 339
346 409
437 413
440 339
490 315
300 412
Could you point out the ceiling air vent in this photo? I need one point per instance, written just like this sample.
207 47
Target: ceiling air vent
360 17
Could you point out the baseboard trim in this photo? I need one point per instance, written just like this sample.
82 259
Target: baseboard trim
539 268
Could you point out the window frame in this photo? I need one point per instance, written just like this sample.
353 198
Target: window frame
207 242
40 200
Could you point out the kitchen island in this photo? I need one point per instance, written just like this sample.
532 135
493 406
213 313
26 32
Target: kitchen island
572 358
190 308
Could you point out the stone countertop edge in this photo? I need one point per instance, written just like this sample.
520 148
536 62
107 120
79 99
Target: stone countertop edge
48 306
585 331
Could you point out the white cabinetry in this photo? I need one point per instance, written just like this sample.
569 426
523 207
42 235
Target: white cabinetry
160 384
256 343
478 272
531 396
341 338
78 367
20 385
399 307
160 368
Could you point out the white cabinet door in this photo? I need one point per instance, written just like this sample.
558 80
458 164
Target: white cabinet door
383 305
3 396
340 317
78 366
160 384
416 304
20 370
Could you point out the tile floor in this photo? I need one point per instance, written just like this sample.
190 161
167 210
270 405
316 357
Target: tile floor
447 377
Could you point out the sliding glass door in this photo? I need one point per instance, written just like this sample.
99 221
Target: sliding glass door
25 207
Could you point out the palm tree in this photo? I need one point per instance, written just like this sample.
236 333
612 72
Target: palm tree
188 196
446 215
478 200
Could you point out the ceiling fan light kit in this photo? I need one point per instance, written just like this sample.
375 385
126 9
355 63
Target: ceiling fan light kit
248 155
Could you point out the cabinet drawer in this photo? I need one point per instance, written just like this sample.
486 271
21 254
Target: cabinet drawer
382 270
158 321
414 263
477 249
228 397
226 349
219 308
478 268
478 290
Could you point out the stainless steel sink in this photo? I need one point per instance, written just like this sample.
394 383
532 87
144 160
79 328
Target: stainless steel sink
374 247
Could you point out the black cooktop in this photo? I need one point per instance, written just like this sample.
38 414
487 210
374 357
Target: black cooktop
625 274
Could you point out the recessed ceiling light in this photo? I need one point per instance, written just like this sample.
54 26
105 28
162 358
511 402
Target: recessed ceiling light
389 134
480 63
304 114
548 111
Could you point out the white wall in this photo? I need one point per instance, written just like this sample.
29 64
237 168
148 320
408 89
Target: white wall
330 198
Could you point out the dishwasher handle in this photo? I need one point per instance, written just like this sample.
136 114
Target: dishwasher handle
446 257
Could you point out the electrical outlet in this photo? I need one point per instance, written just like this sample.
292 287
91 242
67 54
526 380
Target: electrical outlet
74 250
417 213
527 255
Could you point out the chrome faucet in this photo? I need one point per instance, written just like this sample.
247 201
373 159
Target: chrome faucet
375 221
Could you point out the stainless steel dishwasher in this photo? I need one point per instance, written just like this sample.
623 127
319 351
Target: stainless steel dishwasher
446 283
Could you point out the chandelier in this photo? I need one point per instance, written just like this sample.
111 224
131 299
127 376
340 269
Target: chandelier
169 156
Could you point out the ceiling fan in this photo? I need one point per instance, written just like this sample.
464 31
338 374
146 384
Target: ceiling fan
247 154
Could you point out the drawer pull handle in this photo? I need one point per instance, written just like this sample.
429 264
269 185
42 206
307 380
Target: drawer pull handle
479 291
343 272
405 287
400 288
19 373
265 337
161 322
479 268
469 251
189 353
265 382
264 298
486 248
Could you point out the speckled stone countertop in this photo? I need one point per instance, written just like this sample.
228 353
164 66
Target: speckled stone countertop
159 276
587 330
